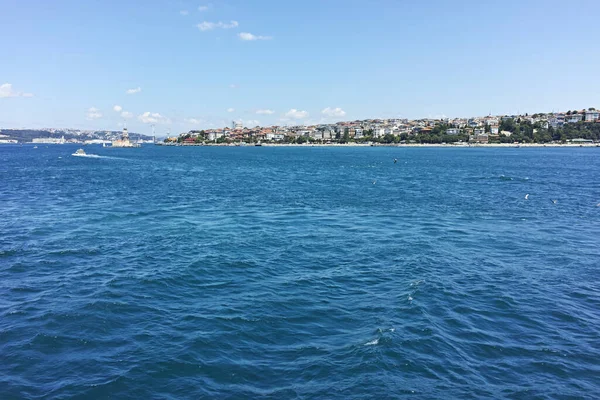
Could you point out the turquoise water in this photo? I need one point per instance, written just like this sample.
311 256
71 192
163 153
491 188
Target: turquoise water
308 272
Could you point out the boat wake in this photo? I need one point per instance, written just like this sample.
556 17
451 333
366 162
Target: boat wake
88 155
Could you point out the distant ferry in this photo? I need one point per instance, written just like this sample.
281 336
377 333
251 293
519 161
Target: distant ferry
124 141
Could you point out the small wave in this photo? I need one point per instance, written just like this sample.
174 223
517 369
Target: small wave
372 342
99 156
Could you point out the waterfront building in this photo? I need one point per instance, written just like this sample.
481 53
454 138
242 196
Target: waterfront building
49 140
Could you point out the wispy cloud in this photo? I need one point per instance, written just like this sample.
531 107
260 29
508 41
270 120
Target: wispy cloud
230 110
209 26
250 37
233 86
118 108
126 115
134 91
265 112
6 90
93 113
333 112
153 118
252 123
184 12
193 121
204 8
296 114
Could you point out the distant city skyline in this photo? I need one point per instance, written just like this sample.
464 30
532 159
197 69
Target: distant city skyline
186 65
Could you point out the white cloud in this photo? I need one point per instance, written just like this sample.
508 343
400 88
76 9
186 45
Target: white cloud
265 112
252 123
93 113
296 114
134 91
193 121
6 90
333 112
249 37
153 118
204 8
118 108
184 12
126 115
209 26
230 110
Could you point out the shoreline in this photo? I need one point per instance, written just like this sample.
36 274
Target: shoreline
478 145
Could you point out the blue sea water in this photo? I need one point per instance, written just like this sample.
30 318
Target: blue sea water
258 272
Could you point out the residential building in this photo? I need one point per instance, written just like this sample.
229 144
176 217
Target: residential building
592 115
378 132
481 138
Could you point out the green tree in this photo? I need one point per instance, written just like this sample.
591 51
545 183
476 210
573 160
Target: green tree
508 124
346 137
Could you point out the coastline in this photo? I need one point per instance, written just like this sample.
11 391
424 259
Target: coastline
477 145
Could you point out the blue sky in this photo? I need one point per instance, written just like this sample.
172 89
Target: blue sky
68 63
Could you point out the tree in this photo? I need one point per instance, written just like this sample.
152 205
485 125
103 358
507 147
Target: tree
301 139
508 124
346 137
388 138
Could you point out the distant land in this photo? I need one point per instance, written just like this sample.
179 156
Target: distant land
573 126
70 135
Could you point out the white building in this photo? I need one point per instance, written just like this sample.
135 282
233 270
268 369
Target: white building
274 136
49 140
378 132
592 115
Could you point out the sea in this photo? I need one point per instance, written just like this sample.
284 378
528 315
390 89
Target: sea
299 273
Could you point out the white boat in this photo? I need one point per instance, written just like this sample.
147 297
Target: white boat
79 153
